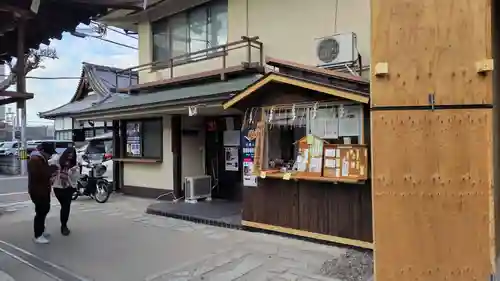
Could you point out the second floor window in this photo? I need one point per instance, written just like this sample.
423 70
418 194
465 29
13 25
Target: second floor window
197 29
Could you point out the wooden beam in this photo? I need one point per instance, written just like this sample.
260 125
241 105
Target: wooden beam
115 4
12 100
16 11
18 95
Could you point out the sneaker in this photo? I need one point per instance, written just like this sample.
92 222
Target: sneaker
42 240
46 235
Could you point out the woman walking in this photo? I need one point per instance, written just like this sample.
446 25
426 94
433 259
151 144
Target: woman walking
64 183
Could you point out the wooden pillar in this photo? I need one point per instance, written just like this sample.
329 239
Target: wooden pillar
176 141
117 167
432 140
21 88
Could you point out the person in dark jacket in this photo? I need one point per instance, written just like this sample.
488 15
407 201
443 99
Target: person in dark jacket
39 175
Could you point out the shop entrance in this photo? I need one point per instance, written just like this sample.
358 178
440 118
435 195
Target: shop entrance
223 156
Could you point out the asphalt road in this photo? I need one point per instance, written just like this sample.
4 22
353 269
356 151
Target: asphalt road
118 241
13 190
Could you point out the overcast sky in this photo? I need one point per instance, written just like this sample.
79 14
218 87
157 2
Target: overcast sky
72 51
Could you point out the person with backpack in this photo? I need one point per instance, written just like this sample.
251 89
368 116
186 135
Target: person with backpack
39 186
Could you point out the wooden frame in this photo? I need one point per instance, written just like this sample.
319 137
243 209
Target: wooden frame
141 158
318 87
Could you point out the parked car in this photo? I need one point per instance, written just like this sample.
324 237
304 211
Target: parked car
9 148
98 149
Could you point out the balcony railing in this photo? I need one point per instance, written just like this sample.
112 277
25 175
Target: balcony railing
254 56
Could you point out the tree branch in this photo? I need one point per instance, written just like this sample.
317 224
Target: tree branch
33 60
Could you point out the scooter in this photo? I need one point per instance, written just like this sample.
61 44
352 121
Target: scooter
94 185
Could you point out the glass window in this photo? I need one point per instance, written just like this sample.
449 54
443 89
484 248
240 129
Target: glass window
161 41
191 31
179 35
218 24
152 138
144 138
198 30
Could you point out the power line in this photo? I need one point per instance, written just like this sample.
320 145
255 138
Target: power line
123 33
113 42
49 78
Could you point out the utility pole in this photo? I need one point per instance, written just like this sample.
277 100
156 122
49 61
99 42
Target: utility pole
21 88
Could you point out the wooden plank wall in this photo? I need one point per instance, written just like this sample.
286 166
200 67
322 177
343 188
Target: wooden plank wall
341 210
432 169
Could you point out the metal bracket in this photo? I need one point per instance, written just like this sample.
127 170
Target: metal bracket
432 100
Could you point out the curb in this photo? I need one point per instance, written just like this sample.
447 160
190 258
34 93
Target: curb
5 277
195 219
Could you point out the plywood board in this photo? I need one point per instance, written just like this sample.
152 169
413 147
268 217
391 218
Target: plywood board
431 47
432 194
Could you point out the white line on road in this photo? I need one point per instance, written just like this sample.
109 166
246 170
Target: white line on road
62 269
13 178
15 204
13 193
30 265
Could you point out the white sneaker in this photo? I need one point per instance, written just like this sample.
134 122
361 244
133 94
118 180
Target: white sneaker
41 240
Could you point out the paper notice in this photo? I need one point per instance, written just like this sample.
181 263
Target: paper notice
315 165
330 163
345 167
329 152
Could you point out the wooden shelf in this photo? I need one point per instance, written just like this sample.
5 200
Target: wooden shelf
138 160
279 175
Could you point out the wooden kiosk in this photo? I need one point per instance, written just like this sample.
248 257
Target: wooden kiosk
432 140
311 154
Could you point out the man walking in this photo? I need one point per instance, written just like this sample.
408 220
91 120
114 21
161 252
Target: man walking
39 174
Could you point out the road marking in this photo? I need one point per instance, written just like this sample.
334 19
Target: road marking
15 204
13 178
13 193
62 269
30 264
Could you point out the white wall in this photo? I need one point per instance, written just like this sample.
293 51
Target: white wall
153 175
63 123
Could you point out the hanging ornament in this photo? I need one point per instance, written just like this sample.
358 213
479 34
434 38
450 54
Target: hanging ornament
341 111
250 118
271 118
315 110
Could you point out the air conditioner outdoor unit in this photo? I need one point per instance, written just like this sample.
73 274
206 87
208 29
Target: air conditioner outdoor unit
198 187
338 50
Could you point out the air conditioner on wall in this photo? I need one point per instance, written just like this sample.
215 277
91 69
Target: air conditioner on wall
337 51
198 187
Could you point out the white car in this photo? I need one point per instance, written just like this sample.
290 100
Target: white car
98 149
9 148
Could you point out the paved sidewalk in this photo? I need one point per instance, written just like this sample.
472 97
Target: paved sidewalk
118 241
5 277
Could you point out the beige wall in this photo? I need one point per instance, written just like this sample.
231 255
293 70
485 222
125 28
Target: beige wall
288 29
157 175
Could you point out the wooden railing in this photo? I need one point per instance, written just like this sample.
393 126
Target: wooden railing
221 51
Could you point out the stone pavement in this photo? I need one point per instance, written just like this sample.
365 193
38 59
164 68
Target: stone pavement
5 277
118 241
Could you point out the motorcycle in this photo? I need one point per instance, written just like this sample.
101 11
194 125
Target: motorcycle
94 185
